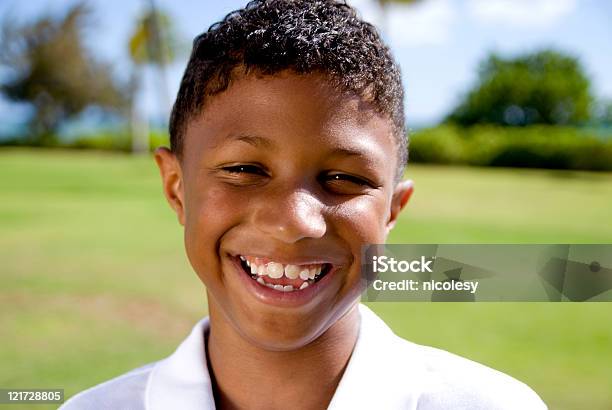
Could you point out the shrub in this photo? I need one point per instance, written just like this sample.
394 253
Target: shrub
534 147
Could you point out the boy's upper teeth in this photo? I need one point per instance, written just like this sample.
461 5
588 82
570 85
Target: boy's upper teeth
305 274
292 271
276 270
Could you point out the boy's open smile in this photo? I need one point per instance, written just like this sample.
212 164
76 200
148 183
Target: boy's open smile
284 277
284 284
282 180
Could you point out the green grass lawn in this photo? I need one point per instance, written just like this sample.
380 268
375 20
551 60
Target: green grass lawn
95 281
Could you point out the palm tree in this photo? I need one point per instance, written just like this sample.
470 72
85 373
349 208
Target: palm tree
152 43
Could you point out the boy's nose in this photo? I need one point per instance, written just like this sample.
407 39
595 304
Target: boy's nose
291 217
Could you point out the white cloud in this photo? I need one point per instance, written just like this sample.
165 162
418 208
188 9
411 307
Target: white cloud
427 23
522 13
368 10
422 24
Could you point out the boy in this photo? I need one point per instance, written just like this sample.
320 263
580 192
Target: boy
287 150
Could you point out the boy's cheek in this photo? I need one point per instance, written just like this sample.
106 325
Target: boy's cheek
208 216
365 219
211 204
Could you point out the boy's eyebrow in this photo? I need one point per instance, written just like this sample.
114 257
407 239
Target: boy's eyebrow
263 142
254 140
348 152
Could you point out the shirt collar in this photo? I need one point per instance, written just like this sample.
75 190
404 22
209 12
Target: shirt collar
182 381
372 378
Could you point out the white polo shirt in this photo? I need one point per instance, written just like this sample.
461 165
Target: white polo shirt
384 372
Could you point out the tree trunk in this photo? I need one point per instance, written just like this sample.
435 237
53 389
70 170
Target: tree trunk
139 124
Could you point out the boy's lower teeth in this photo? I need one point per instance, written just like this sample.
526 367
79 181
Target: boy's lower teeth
282 288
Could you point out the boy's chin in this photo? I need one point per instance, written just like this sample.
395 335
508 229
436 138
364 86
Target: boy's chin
289 333
282 335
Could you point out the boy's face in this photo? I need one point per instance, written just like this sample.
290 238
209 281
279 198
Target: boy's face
289 175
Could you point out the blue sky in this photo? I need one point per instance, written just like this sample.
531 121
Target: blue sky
438 43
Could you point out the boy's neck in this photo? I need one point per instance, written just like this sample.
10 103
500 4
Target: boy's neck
245 376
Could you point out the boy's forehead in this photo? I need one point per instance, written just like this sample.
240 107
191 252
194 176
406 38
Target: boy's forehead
287 103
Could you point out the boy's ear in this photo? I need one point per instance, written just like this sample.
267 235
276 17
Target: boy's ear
401 196
172 180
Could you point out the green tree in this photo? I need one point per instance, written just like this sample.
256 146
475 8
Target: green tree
153 42
48 66
545 87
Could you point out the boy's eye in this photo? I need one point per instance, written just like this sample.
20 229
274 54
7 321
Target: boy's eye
245 169
346 183
243 174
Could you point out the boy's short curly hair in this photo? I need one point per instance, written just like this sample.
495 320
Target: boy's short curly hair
304 36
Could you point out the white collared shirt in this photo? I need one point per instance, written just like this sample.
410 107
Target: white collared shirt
384 372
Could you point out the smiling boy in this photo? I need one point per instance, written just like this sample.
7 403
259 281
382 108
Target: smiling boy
287 151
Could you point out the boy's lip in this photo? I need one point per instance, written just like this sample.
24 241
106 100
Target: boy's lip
300 260
284 299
